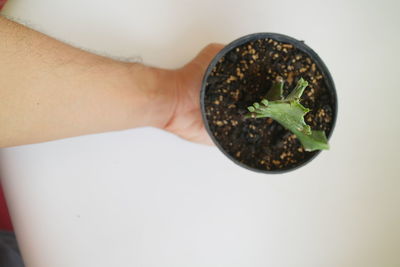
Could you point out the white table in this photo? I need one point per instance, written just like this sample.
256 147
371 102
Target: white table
146 198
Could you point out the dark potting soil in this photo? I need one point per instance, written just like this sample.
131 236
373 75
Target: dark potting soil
244 76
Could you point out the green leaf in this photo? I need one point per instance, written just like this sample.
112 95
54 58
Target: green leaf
290 114
276 91
315 141
264 102
298 90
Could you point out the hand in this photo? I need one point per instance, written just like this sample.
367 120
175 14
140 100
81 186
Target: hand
186 120
68 92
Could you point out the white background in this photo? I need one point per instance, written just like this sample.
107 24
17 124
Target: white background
146 198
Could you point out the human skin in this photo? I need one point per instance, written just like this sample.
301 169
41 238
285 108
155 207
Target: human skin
50 90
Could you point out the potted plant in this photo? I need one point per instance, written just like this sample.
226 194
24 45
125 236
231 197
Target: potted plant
269 102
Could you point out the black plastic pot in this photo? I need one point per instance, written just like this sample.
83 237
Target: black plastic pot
300 45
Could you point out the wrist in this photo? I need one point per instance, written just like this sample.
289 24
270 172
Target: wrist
155 94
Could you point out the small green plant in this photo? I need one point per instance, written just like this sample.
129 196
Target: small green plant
290 114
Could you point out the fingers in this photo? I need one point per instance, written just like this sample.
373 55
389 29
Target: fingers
206 139
202 136
187 121
202 60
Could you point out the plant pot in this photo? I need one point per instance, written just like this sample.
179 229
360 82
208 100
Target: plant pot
241 74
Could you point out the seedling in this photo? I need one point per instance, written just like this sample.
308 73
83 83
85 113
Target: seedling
290 114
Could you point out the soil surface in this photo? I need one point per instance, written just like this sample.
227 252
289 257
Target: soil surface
244 76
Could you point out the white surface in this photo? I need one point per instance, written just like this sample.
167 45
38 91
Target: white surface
146 198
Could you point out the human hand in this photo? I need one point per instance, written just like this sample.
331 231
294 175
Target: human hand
186 120
69 92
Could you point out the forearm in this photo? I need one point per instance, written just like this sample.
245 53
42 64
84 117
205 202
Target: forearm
49 90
